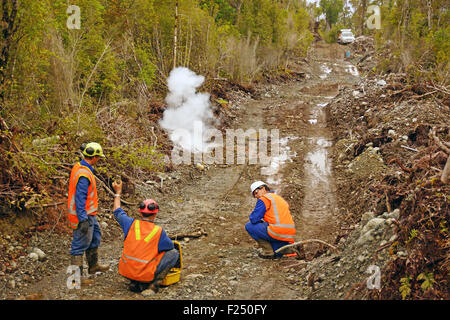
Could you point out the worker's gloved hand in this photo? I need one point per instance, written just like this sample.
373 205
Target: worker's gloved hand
84 226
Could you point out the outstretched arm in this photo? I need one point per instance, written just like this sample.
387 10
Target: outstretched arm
122 218
117 186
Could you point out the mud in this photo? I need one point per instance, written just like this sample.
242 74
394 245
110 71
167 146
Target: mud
224 264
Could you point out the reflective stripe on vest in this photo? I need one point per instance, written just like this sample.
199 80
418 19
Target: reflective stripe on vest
140 256
137 230
72 202
280 235
91 205
133 258
277 217
274 234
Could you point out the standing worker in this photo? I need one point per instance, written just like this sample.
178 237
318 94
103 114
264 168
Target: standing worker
148 253
271 223
83 207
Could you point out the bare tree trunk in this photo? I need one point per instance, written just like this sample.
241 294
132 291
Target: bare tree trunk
405 22
188 56
363 16
175 36
430 14
237 5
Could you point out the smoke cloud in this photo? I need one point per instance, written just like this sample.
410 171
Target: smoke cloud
188 115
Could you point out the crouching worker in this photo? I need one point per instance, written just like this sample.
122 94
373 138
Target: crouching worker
148 253
271 223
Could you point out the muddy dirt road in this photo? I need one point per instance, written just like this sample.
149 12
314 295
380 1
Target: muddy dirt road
224 264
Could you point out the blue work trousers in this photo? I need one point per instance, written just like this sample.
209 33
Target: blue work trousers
259 231
89 240
168 261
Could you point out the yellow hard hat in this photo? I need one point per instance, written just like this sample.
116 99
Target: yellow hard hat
92 149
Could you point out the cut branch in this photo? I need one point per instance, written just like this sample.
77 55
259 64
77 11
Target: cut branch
196 234
306 241
438 141
112 193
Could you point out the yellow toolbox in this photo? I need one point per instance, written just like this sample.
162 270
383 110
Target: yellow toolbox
174 274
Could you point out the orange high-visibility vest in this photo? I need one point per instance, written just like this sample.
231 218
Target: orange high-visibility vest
281 225
91 206
140 255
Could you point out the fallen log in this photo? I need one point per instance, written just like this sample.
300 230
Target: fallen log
195 234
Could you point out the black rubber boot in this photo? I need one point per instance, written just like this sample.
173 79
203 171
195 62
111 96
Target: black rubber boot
92 259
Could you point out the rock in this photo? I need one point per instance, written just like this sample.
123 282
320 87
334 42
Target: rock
104 225
148 293
365 238
373 224
194 276
394 214
390 221
393 238
402 254
215 292
33 256
392 133
367 216
381 82
200 167
12 284
41 254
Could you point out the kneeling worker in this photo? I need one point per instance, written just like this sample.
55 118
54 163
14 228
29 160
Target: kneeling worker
271 223
148 253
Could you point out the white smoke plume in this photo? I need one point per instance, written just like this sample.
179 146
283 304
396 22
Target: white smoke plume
187 111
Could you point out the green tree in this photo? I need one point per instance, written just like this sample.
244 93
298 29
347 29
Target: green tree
332 9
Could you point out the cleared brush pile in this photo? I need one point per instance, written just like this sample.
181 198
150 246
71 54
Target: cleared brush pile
408 127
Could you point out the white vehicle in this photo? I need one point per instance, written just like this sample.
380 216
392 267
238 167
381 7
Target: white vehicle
345 36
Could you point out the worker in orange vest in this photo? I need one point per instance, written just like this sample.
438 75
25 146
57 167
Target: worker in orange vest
148 253
82 205
271 223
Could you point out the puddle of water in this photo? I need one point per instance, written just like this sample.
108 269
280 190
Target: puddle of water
326 71
272 171
317 164
352 70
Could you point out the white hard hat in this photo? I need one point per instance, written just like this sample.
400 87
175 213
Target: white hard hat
256 185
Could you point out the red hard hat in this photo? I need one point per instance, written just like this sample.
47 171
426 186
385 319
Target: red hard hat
148 206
